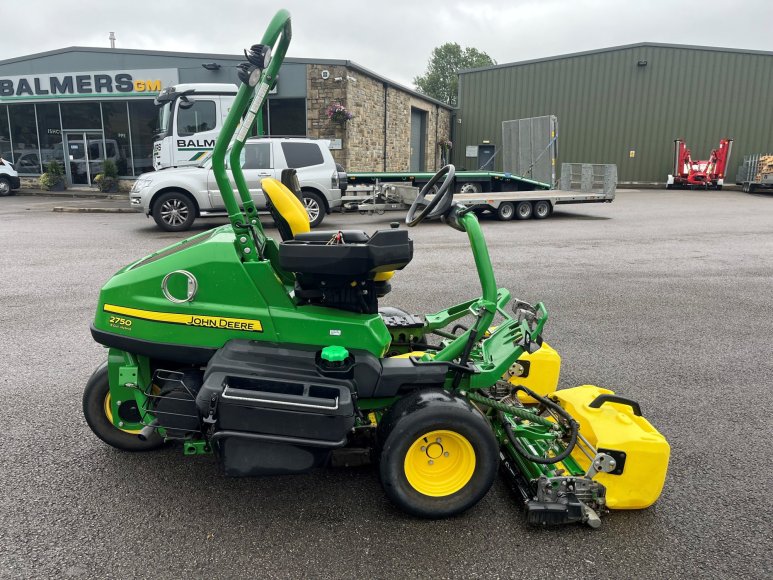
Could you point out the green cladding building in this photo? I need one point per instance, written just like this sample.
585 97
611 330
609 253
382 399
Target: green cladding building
626 105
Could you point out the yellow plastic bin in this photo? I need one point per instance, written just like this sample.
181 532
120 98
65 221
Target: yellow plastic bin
616 427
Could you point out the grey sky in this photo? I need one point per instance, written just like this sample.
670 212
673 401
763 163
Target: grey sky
392 38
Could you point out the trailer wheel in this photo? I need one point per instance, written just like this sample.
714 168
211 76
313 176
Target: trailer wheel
542 209
523 210
438 454
470 187
505 211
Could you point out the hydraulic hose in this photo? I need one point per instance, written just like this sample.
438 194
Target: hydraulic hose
534 418
524 414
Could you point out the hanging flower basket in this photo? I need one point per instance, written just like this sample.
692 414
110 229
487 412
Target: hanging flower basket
337 113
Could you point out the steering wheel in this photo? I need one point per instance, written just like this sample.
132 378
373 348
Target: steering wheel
440 202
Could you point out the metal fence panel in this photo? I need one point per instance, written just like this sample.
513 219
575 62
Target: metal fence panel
589 177
529 148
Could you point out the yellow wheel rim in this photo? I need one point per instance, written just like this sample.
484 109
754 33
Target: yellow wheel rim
109 415
439 463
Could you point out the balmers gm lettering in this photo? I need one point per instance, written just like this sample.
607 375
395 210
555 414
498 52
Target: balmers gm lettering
78 84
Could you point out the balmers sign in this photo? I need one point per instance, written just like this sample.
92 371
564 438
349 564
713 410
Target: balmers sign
83 85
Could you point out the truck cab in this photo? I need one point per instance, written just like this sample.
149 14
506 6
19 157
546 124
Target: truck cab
189 119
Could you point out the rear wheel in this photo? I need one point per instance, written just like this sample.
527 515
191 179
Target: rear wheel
174 211
505 211
542 209
315 207
438 456
5 186
99 416
523 210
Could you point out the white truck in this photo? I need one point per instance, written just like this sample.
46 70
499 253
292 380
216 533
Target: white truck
189 119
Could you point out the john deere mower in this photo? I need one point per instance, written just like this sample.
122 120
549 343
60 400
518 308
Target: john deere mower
275 356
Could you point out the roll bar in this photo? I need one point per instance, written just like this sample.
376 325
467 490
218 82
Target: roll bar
245 109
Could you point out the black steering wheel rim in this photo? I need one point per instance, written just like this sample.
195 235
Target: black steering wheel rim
440 202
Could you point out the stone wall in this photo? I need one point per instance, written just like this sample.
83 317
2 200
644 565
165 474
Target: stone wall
320 93
363 141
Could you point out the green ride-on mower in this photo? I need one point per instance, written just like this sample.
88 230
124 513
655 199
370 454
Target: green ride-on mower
275 356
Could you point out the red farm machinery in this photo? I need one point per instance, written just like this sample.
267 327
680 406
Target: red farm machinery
691 174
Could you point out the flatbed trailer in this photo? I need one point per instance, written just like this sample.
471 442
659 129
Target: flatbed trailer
465 182
507 196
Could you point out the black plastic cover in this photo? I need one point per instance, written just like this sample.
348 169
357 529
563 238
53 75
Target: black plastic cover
386 250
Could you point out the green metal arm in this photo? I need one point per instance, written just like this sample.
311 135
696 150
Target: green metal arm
277 36
486 306
248 102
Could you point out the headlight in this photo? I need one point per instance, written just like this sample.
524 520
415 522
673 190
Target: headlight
139 185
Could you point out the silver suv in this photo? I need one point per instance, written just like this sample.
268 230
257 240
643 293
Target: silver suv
176 196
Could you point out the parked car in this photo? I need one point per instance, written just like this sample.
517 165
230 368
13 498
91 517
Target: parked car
176 196
9 178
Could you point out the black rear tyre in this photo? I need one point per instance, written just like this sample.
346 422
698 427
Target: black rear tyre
315 207
438 454
96 402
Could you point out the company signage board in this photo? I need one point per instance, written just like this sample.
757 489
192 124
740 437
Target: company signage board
86 85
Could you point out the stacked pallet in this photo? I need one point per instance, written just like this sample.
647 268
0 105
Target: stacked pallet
764 167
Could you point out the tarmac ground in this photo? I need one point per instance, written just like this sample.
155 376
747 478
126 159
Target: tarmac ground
663 296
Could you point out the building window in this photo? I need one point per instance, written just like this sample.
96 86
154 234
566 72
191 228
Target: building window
288 117
115 117
143 120
50 134
200 116
300 155
81 116
26 156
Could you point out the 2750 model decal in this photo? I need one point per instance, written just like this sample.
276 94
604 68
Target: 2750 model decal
185 319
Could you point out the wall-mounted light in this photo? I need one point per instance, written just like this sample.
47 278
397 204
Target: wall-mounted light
325 75
641 63
211 66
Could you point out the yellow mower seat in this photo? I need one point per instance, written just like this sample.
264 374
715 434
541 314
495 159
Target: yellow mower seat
288 212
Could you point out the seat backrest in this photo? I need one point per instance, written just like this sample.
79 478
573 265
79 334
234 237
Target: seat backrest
290 180
288 212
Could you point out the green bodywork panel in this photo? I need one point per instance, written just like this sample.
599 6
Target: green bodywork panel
227 288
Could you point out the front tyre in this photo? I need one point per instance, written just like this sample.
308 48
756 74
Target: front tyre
174 211
438 455
96 409
315 207
5 186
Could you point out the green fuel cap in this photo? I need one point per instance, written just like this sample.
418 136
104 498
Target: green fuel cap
334 354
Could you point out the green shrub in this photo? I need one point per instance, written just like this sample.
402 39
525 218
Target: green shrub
53 177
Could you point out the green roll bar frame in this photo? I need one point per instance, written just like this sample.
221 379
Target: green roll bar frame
246 108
